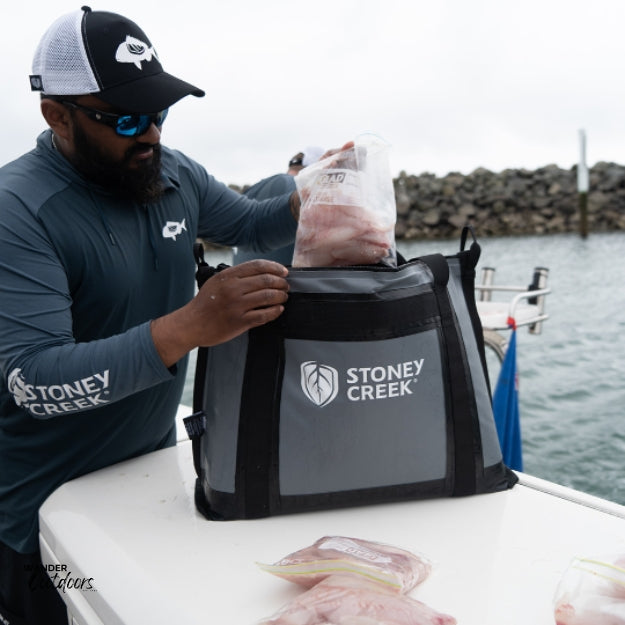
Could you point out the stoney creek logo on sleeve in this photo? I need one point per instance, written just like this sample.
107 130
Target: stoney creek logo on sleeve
49 400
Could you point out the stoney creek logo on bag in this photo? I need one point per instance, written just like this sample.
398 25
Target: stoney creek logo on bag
321 384
369 362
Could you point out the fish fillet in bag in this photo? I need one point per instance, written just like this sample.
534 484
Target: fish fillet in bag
348 212
592 592
343 600
396 569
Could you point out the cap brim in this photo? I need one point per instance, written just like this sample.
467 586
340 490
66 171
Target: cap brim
150 94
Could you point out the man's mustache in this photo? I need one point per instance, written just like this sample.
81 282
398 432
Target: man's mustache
138 148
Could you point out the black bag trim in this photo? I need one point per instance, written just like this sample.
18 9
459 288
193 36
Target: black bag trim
468 262
461 394
258 422
201 503
493 479
230 504
309 317
203 273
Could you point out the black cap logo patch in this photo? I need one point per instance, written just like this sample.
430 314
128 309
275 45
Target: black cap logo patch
36 84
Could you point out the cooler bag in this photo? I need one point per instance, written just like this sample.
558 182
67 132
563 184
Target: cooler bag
371 387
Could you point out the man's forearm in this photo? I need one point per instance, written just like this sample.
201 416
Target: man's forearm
295 204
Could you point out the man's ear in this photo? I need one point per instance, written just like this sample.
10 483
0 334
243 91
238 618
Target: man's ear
57 117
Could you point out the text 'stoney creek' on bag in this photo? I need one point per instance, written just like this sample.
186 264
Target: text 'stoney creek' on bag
370 387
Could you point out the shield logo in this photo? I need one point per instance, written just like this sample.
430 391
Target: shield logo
17 387
320 383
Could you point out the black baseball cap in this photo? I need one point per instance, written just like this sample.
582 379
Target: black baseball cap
105 54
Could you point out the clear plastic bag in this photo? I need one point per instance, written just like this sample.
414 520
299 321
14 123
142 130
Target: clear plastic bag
395 569
592 592
344 600
348 212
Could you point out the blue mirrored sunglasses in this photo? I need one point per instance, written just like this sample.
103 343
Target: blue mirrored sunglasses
131 125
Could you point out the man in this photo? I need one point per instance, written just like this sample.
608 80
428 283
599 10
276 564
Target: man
274 186
97 313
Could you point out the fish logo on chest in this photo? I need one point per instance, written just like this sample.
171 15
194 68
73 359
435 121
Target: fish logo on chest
172 229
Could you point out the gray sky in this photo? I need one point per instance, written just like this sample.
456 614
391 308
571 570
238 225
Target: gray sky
451 84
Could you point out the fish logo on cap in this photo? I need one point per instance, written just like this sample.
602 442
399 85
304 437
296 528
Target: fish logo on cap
133 50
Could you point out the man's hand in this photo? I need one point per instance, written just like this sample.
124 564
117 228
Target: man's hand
348 146
228 304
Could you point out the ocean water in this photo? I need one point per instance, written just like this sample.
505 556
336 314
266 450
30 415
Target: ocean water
572 375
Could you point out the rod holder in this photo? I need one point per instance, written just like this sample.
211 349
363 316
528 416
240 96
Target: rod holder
539 281
488 277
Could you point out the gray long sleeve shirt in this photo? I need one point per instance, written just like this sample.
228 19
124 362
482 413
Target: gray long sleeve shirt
81 276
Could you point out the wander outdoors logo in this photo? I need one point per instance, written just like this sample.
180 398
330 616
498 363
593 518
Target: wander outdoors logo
320 382
57 576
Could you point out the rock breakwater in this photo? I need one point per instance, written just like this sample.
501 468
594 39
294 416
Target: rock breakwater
511 202
507 203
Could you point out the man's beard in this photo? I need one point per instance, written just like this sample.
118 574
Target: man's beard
142 184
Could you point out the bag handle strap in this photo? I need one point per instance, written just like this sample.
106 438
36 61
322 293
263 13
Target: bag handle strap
204 270
196 423
258 422
475 250
466 230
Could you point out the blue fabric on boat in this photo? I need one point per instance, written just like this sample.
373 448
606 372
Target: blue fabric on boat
506 409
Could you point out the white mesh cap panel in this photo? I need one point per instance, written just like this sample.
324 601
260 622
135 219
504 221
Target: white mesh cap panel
61 59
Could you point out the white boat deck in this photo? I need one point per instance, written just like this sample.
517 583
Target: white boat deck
133 528
134 531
